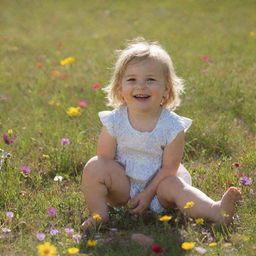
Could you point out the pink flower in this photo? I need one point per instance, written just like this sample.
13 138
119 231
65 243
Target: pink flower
206 58
25 169
69 230
245 180
77 238
9 215
236 164
51 211
156 249
40 236
65 141
7 139
96 87
83 103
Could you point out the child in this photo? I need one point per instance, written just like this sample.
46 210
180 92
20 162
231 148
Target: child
140 147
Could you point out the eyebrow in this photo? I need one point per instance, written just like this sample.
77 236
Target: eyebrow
136 75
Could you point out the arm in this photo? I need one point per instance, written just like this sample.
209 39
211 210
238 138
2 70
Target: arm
171 160
106 146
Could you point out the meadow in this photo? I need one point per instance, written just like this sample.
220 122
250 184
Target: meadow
55 58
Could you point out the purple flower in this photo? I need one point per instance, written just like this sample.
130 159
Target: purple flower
54 232
40 236
77 238
69 230
51 211
9 215
25 169
7 139
245 180
65 141
6 230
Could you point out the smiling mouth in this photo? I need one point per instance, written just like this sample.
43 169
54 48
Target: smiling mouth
141 96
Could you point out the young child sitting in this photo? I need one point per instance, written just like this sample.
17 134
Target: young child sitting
140 147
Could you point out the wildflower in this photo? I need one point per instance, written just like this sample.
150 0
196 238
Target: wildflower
200 250
65 141
54 232
236 164
189 205
199 221
245 180
9 215
40 236
77 238
96 217
8 139
45 156
54 73
58 178
6 230
51 211
67 61
74 111
59 44
69 230
96 87
224 214
10 132
73 250
83 103
47 249
165 218
188 245
252 33
39 64
206 58
91 243
25 169
63 76
212 244
156 248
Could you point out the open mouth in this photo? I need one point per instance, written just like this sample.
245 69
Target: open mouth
141 96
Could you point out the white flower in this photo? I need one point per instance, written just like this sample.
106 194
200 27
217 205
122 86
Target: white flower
58 178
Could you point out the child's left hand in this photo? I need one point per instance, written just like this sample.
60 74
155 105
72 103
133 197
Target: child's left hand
140 202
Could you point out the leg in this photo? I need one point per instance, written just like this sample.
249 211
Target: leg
104 181
174 190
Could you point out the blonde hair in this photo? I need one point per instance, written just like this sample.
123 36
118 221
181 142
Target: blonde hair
140 49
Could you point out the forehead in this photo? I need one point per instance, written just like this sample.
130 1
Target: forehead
145 65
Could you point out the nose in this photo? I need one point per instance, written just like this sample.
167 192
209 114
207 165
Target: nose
141 83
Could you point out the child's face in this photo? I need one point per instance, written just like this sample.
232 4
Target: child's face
143 85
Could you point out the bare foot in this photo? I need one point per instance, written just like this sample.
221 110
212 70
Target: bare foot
227 205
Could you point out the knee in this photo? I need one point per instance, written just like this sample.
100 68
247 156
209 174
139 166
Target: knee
169 184
94 168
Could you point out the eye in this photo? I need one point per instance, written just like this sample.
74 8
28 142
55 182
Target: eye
131 79
151 79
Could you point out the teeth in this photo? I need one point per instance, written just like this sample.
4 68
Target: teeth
141 96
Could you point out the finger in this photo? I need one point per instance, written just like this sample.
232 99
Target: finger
139 209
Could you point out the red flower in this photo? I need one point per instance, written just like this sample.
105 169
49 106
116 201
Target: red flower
63 76
83 103
156 248
236 164
39 64
59 44
96 87
206 58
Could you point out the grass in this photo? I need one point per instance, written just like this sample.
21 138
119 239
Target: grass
36 91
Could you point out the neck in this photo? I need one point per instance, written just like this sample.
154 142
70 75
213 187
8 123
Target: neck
144 115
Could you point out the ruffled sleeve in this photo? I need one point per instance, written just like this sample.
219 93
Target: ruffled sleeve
107 119
176 124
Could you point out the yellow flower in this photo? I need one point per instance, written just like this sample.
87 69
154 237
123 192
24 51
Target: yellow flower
188 245
74 111
189 205
10 132
199 221
96 217
91 243
212 244
224 214
47 249
252 33
45 156
165 218
51 102
73 250
67 61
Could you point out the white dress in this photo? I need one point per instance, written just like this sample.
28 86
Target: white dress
140 153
